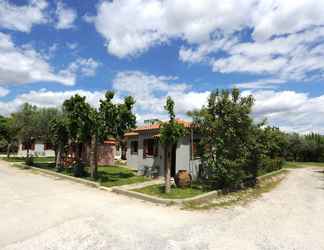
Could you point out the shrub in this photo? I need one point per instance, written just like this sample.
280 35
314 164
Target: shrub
78 169
225 174
269 165
29 161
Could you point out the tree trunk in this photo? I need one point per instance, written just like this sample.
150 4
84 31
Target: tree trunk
167 157
8 150
77 152
58 158
93 156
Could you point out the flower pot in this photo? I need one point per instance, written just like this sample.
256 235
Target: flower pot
183 179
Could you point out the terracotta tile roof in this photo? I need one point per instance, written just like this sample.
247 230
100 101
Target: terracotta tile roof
131 134
111 141
186 124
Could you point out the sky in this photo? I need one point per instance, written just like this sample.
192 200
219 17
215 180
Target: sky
151 49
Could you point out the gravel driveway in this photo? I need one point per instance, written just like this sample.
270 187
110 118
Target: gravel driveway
40 212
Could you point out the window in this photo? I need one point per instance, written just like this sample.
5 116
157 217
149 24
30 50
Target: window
150 148
134 147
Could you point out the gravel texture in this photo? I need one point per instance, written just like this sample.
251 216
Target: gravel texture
43 212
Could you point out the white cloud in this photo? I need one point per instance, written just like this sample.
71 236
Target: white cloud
65 16
4 91
22 18
44 98
150 93
19 65
82 66
271 38
260 84
23 64
290 110
154 22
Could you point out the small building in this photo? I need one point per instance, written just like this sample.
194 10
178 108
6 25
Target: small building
36 149
144 150
106 152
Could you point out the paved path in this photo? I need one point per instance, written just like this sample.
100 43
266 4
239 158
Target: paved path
40 212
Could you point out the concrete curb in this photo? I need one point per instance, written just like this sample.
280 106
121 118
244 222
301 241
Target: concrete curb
200 198
63 176
165 201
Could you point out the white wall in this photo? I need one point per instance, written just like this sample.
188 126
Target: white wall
39 151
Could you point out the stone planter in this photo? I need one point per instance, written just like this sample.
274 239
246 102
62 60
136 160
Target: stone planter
183 179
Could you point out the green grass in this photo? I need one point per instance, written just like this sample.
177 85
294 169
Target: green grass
109 176
175 193
292 164
22 159
241 197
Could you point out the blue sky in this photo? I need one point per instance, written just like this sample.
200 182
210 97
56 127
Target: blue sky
50 50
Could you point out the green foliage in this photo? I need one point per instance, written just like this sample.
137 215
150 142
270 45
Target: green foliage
78 169
306 148
116 119
171 131
79 122
29 161
226 128
269 165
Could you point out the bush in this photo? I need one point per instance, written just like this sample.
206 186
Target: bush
224 174
78 169
269 165
29 161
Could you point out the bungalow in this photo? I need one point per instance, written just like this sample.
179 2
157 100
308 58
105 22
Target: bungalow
36 149
145 152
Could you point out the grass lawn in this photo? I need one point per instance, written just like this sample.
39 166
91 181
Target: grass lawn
292 164
22 159
175 193
109 176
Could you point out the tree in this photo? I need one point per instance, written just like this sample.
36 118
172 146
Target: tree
26 124
170 132
226 128
59 137
80 124
116 119
8 134
89 125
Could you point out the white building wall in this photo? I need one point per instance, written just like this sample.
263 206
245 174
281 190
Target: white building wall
184 159
183 156
39 151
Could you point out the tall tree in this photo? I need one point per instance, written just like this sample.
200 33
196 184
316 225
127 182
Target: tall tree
226 126
170 133
26 123
79 123
59 137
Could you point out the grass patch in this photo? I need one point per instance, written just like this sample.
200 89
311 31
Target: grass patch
241 197
292 164
22 159
175 193
109 176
